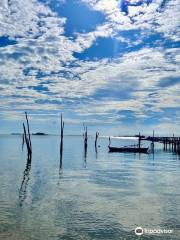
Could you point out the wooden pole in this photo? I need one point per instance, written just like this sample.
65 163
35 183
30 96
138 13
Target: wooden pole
97 135
85 136
61 143
29 136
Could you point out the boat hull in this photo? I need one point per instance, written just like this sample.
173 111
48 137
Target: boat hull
128 149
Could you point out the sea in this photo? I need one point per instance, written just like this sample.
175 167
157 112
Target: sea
93 195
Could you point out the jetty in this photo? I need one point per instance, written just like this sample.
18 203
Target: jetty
169 143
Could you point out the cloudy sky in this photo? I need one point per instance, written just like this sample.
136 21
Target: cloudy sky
111 64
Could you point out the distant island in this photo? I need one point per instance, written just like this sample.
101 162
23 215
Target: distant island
39 134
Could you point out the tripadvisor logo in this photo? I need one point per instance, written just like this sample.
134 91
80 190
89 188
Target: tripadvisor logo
139 231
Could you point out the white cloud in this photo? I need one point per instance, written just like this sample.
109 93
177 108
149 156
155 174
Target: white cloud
150 17
21 18
43 48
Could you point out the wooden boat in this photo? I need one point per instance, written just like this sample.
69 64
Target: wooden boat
129 149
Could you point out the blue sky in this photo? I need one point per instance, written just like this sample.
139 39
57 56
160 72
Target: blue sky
111 64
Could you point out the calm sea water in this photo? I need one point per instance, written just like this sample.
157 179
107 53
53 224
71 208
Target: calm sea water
99 196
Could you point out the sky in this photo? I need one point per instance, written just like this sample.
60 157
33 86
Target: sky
113 65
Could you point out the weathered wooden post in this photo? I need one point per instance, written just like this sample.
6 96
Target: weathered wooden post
85 136
27 138
97 135
61 142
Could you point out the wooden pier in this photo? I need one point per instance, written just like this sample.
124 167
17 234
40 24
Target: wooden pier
169 143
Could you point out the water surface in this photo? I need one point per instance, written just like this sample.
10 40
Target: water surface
98 195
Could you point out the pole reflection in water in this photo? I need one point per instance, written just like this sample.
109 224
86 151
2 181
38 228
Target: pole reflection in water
85 157
96 151
24 184
60 162
60 167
